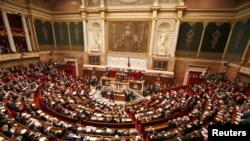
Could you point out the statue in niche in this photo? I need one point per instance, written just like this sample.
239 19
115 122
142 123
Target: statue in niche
162 44
95 41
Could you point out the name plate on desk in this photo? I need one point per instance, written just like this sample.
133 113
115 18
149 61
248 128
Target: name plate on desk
136 85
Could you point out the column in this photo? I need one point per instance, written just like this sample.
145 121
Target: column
103 36
85 37
70 46
180 10
228 40
201 41
54 35
155 3
176 34
27 36
84 24
152 37
9 33
102 8
32 39
102 5
83 4
154 8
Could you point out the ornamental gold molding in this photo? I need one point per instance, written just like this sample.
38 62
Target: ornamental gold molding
180 10
102 12
155 10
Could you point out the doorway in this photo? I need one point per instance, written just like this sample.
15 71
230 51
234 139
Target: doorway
193 74
72 65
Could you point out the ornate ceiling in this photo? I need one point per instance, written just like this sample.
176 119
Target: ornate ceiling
72 5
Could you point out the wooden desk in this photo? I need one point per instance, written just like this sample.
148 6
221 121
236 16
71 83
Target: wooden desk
105 81
117 96
119 86
136 85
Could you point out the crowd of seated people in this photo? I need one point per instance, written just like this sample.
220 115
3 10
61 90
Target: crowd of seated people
5 47
21 48
72 98
222 101
215 101
23 110
159 105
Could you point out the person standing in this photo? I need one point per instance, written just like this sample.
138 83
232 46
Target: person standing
111 96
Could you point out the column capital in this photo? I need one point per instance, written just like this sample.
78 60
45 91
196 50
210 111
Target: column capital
102 10
232 24
23 15
154 10
178 18
82 10
205 23
2 10
180 10
84 19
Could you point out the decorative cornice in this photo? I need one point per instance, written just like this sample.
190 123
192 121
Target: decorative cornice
180 7
155 7
154 10
102 9
180 10
18 56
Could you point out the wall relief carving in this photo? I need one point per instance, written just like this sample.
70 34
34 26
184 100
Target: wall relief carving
122 62
163 38
95 37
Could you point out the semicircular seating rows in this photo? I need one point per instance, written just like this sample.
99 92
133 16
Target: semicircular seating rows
39 102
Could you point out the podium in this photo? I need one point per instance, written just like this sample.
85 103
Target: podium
121 77
118 86
105 81
136 85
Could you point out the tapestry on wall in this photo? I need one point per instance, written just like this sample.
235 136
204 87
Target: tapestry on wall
128 36
238 41
61 35
44 32
189 39
215 40
76 35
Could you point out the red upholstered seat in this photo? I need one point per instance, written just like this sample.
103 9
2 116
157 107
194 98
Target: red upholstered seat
247 93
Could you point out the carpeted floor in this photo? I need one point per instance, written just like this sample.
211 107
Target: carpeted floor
96 95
